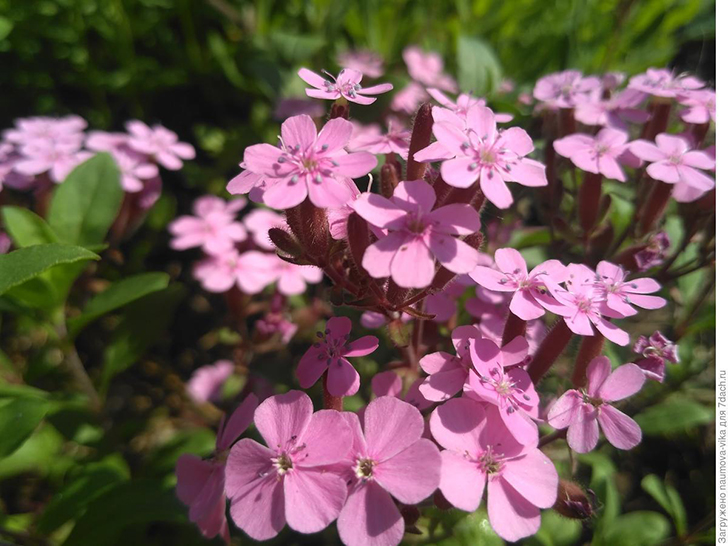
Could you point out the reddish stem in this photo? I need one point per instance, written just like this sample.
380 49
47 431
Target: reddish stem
590 194
331 401
590 348
551 347
655 206
515 326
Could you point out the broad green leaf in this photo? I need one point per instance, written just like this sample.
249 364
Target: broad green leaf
122 505
556 530
86 204
636 529
19 417
40 454
473 530
479 70
673 416
667 497
11 390
27 228
118 295
143 322
24 264
197 441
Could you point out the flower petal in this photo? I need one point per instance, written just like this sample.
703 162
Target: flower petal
620 430
314 498
413 474
623 382
283 417
390 426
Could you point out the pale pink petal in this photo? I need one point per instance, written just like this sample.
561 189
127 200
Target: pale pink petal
370 518
511 516
565 410
413 265
378 257
443 385
525 306
492 279
414 195
481 119
238 422
534 476
413 474
672 144
611 169
455 219
454 254
459 172
192 475
647 302
390 426
695 178
450 136
343 379
386 384
520 425
579 324
328 193
311 367
458 425
647 150
338 327
509 260
285 194
698 160
664 170
620 430
311 78
495 189
484 353
461 481
334 136
282 417
624 381
517 140
314 499
298 131
612 332
258 508
583 433
362 346
597 372
376 89
355 164
379 211
528 172
514 352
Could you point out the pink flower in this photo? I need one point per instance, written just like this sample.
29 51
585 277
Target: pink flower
261 269
463 104
288 481
674 162
220 272
654 253
416 235
296 107
655 350
57 159
259 221
101 141
5 242
41 131
565 89
600 154
207 381
427 69
584 411
396 140
389 383
134 170
200 483
248 182
622 294
662 82
700 106
491 155
160 143
409 99
511 390
213 227
366 62
309 164
613 112
480 452
330 354
347 85
586 304
389 457
530 294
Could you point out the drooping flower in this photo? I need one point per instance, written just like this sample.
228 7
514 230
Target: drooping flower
160 143
288 480
329 354
201 483
416 235
613 112
662 82
655 350
530 294
494 379
584 411
308 164
622 294
213 227
700 106
347 85
207 381
495 157
586 304
480 453
565 89
601 154
366 62
388 457
674 162
427 69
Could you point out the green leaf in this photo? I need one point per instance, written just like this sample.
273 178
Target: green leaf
636 529
125 504
18 419
479 70
86 204
667 497
556 530
473 529
27 228
673 416
143 322
118 295
26 263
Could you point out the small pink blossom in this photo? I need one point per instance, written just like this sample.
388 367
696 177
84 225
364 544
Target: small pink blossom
480 452
389 383
395 141
463 104
201 483
248 182
427 69
673 161
389 458
258 222
655 350
613 112
213 227
565 89
654 253
601 154
56 159
287 480
700 106
409 99
207 381
308 164
102 141
368 63
662 82
347 85
530 294
416 235
160 143
42 131
585 410
134 170
330 354
622 294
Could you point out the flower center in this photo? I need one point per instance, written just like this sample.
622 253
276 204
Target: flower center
490 463
365 468
282 464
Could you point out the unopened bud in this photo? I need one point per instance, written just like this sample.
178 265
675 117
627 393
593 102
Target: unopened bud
388 180
421 135
357 233
573 502
285 242
340 109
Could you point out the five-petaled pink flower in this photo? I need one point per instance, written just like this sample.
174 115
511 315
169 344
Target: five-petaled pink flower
482 152
57 159
308 164
622 294
495 379
565 89
600 154
329 354
347 85
395 141
201 483
213 227
655 350
585 410
662 82
416 235
134 169
290 480
463 103
480 451
160 143
530 293
613 112
700 106
389 457
427 69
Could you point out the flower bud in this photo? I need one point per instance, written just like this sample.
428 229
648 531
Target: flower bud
573 502
340 109
388 180
357 233
421 135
